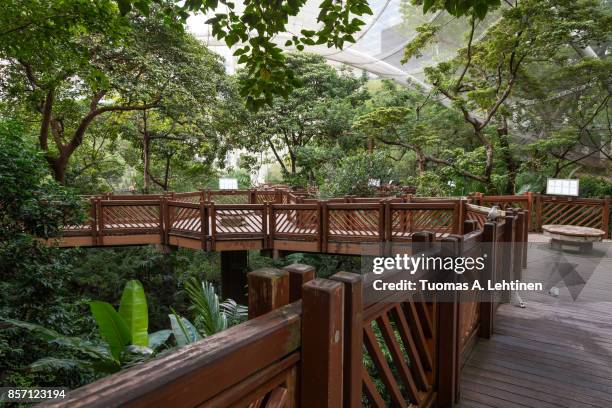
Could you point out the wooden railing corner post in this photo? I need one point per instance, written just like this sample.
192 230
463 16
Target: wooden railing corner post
322 343
268 290
353 337
299 275
487 305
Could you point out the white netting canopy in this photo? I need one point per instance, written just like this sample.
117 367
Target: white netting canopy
379 46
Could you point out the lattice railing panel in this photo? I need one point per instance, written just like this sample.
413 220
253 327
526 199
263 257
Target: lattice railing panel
405 222
131 217
399 353
239 221
299 223
185 220
570 213
353 223
480 218
265 197
239 198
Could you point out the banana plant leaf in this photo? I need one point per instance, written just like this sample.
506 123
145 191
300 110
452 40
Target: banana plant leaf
112 327
133 309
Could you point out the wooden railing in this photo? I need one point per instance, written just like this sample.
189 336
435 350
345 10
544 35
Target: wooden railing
333 342
545 209
250 219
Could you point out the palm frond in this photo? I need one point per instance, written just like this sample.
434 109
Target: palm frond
205 304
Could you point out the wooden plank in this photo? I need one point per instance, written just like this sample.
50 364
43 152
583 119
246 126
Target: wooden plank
140 239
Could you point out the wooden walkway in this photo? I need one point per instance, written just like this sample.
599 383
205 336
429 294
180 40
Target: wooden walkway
557 352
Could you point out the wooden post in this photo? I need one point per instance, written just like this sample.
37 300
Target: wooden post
322 343
469 226
299 274
529 195
162 229
234 265
203 224
167 222
448 338
517 246
272 225
323 225
538 209
268 290
508 253
213 226
605 217
487 303
461 217
388 228
100 213
93 224
353 337
421 241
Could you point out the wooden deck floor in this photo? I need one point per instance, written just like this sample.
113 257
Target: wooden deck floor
557 352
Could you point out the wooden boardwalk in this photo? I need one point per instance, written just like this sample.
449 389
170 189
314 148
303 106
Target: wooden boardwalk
557 352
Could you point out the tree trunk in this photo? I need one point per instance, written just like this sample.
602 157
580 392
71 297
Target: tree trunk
511 165
58 167
145 152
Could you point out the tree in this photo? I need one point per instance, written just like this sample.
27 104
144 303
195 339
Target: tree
317 112
480 80
131 66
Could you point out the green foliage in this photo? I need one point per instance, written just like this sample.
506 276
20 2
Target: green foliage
425 34
352 175
318 114
112 327
211 316
122 343
31 202
459 8
134 311
595 187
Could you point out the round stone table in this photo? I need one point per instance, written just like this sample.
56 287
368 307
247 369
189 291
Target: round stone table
572 235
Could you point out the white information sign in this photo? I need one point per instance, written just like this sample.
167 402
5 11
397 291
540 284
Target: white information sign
228 184
566 187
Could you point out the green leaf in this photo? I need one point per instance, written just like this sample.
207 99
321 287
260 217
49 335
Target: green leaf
112 326
133 308
184 332
158 338
54 364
